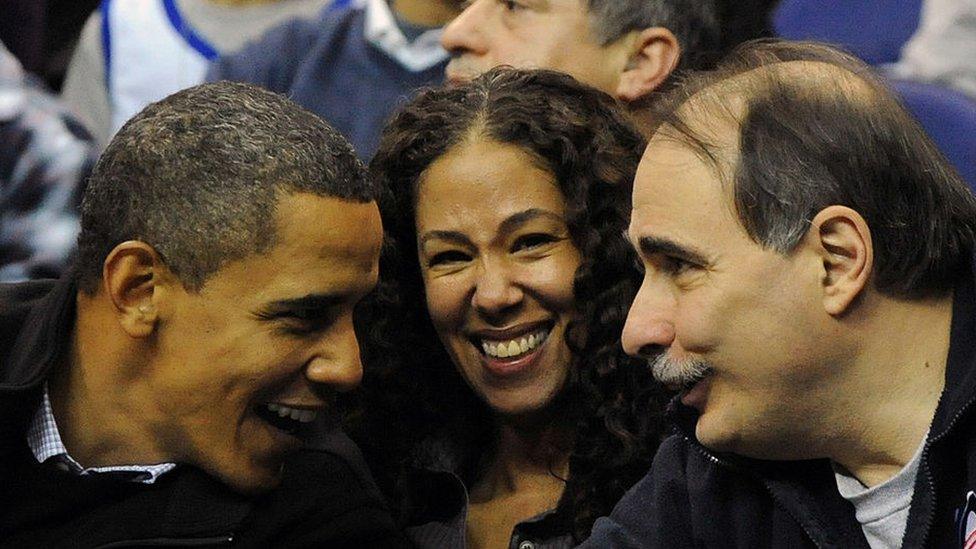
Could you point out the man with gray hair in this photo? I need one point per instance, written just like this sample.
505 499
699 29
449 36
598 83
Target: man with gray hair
627 48
809 288
176 388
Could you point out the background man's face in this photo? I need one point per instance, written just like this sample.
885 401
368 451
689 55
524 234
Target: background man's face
242 366
530 34
712 295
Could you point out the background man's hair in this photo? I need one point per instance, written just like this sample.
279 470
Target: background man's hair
816 128
696 25
198 174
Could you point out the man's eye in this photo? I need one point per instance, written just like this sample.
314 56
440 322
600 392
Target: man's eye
306 322
675 266
510 5
447 258
531 241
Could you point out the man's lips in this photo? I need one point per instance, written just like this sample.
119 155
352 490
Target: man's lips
696 395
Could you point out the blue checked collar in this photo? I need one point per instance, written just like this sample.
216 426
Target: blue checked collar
45 442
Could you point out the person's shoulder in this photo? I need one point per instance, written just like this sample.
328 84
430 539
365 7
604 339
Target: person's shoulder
18 297
273 59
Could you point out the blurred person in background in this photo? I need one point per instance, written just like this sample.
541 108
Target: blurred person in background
943 49
133 52
353 66
45 157
626 48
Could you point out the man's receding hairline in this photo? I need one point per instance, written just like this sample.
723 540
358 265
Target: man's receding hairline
799 76
718 110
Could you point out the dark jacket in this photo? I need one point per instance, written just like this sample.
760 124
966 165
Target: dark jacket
326 499
695 498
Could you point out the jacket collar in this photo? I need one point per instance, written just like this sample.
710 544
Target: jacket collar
45 313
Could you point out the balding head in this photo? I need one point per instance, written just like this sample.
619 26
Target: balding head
792 128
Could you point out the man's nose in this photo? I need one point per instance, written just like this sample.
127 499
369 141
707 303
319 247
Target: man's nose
650 322
463 33
336 362
495 290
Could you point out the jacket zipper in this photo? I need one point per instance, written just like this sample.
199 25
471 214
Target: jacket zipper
928 471
171 542
716 460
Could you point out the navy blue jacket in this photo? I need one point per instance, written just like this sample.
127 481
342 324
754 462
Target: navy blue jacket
693 497
330 68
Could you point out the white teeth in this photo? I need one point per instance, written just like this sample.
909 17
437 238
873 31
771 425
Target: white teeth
514 347
301 416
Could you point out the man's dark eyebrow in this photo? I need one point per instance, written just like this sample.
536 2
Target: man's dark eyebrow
311 302
651 245
516 220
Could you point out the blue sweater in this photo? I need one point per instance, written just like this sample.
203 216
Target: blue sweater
329 67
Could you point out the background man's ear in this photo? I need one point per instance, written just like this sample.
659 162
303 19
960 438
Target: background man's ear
654 54
843 240
130 275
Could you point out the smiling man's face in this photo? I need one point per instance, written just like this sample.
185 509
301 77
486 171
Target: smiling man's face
243 365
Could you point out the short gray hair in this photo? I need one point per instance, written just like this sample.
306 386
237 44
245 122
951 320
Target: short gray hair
198 175
695 23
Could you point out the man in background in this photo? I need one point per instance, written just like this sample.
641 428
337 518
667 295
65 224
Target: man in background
353 66
627 48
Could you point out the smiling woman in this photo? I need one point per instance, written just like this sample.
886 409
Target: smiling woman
498 405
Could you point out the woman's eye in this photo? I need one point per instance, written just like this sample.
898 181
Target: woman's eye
530 241
444 258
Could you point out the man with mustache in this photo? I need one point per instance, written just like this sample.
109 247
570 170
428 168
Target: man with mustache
809 286
175 388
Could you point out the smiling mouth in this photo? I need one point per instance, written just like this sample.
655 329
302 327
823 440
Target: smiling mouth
292 421
515 348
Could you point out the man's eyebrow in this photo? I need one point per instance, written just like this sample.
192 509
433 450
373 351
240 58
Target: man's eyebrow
652 245
311 302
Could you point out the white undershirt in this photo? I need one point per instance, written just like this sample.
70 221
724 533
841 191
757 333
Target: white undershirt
882 510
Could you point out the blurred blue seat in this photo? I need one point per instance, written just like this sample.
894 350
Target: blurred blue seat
874 30
949 118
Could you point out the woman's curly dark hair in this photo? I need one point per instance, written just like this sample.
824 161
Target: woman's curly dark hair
412 391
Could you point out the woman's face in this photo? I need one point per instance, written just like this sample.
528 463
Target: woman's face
498 266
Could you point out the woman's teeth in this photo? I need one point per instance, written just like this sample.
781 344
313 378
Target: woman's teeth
514 347
301 416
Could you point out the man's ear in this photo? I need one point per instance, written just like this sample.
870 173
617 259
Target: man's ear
130 275
842 239
653 55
